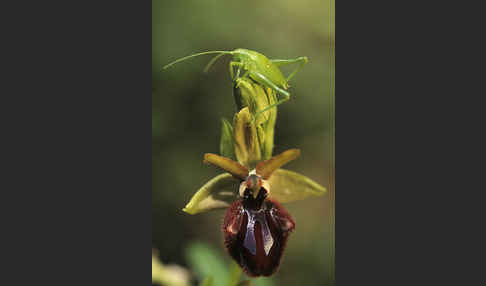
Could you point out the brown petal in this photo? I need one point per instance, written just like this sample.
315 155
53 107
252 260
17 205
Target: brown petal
267 167
226 164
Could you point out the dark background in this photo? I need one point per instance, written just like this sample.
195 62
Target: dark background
187 106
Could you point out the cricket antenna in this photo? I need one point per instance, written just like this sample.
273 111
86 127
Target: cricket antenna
200 54
211 62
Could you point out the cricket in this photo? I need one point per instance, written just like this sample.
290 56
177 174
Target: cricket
257 67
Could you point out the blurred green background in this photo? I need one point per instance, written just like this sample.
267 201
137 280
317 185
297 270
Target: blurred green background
187 106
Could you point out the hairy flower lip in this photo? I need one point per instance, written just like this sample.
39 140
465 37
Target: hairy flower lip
255 235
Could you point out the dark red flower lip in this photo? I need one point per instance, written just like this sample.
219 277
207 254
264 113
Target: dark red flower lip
255 232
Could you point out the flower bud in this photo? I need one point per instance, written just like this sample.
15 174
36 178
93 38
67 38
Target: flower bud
247 144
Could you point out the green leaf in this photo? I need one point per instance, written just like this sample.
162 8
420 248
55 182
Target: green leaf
205 261
287 186
207 282
227 143
235 275
263 281
218 193
245 283
168 275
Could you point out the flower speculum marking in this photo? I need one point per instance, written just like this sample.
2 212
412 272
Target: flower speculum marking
267 239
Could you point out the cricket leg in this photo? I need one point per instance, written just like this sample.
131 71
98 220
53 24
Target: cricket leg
301 60
231 67
263 80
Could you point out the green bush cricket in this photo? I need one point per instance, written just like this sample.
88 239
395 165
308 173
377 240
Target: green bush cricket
257 67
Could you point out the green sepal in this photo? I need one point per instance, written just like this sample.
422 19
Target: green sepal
288 186
227 143
218 193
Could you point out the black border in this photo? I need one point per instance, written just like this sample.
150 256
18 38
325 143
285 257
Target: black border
74 131
407 127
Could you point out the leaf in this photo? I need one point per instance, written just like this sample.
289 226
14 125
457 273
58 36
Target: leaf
245 283
227 143
267 167
263 281
235 274
206 261
247 147
287 186
168 275
207 282
218 193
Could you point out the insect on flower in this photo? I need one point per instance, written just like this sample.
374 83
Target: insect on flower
257 67
255 227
